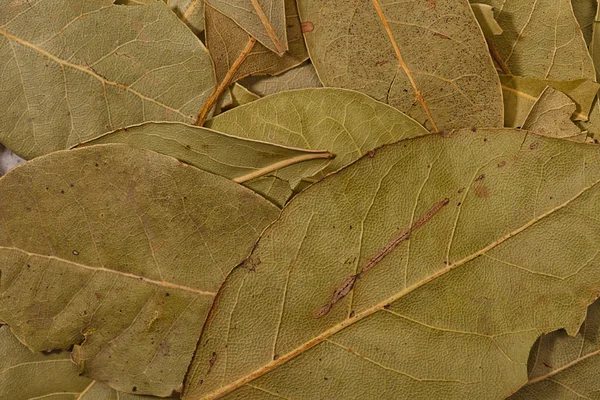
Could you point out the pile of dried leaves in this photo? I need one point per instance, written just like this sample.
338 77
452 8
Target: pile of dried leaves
300 199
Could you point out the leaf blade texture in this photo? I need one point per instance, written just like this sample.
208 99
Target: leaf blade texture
26 375
131 246
549 27
429 59
521 93
303 76
241 160
565 367
77 69
343 122
429 319
264 20
551 116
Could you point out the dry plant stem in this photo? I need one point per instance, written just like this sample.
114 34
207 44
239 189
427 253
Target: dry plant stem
497 58
282 164
210 102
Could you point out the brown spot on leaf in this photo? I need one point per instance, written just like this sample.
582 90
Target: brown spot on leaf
482 191
276 357
307 26
480 177
431 4
371 154
441 35
501 164
534 145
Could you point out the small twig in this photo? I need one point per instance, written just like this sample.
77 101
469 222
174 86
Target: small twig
497 57
211 101
348 285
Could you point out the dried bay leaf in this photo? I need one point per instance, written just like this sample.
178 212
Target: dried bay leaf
343 122
119 251
242 160
264 20
237 55
241 95
74 70
541 39
303 76
453 284
521 93
485 17
563 367
585 11
551 116
25 375
190 11
428 59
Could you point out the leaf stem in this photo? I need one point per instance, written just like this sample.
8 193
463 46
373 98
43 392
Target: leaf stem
210 102
497 57
282 164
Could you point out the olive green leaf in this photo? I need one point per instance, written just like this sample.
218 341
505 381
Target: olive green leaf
242 95
237 54
73 70
191 12
551 116
563 367
343 122
521 93
303 76
25 375
485 17
119 251
239 159
264 20
585 11
541 39
595 43
427 58
411 274
592 126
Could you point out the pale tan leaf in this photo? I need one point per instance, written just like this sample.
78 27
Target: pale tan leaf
551 116
541 39
521 93
241 95
562 367
191 12
452 284
303 76
428 59
343 122
73 70
119 251
264 20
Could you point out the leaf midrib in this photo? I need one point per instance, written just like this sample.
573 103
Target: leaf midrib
89 71
403 65
380 306
112 271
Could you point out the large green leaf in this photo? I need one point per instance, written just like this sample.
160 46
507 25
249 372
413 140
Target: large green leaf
562 367
520 94
119 251
302 77
73 70
425 270
429 59
25 375
264 20
541 39
344 122
241 160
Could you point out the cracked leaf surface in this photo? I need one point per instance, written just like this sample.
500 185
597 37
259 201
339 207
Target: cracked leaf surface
120 251
73 70
450 313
